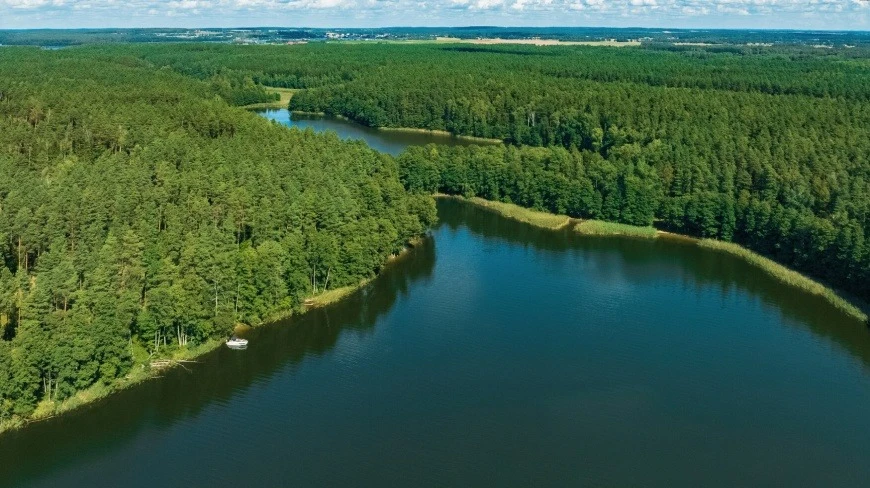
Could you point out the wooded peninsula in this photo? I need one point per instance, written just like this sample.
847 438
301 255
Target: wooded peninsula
144 212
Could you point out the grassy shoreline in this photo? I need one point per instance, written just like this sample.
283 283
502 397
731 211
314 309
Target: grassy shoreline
142 370
317 114
781 273
400 129
441 133
338 294
786 275
515 212
285 95
602 228
384 129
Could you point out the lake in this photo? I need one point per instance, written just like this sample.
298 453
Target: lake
388 141
499 354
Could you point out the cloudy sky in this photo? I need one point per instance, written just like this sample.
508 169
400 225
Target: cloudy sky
782 14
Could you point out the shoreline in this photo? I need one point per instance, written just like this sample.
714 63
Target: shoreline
284 96
851 306
142 371
139 373
593 227
264 106
145 371
410 130
790 277
537 218
438 133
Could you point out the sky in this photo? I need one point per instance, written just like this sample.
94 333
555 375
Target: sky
752 14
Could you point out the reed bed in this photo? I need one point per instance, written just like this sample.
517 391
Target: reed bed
601 228
786 275
522 214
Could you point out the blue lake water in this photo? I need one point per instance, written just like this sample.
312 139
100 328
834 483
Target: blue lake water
498 354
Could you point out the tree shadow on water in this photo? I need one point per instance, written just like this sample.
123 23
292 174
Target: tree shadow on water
184 392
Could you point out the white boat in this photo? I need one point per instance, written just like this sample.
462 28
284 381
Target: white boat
237 343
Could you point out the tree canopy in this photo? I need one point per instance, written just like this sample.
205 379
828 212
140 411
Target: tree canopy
140 212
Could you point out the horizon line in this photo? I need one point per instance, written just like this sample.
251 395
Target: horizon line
756 29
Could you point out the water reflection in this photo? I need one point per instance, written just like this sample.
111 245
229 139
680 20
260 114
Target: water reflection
390 142
519 356
643 261
183 393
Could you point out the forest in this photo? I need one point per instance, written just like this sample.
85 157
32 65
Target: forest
141 210
628 187
766 147
141 213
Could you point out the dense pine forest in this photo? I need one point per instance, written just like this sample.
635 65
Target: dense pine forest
764 147
140 214
143 212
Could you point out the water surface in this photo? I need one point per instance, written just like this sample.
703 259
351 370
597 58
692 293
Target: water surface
392 142
498 354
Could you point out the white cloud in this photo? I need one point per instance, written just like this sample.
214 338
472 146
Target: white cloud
25 3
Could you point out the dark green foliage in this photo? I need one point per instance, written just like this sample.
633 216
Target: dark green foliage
625 188
141 211
579 184
765 147
138 209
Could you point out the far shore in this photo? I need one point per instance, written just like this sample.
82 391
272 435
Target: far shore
492 41
285 95
440 133
388 129
850 305
536 42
